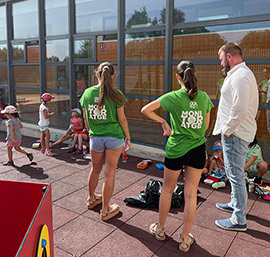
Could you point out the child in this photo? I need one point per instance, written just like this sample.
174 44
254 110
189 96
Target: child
255 165
44 122
216 161
14 136
79 136
76 124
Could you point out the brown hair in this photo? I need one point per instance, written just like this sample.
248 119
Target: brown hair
231 48
186 71
105 71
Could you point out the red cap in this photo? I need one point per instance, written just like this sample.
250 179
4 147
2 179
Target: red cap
47 97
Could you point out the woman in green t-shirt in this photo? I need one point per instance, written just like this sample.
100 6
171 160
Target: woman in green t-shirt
189 110
103 112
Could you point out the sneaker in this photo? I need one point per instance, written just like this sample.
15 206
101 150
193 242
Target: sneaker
30 156
218 185
78 151
42 150
224 207
48 153
227 224
8 163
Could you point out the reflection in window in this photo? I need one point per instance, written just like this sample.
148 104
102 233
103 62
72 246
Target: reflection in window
3 28
3 76
27 103
57 50
85 77
3 53
25 27
83 49
107 48
3 99
26 76
144 80
57 77
56 17
143 13
96 15
200 10
204 42
32 51
148 47
18 52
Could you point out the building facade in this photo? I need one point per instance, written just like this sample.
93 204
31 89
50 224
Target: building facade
55 45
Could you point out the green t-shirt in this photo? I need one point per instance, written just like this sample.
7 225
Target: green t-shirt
256 151
102 123
264 87
187 121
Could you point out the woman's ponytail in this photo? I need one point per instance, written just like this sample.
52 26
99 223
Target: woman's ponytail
186 71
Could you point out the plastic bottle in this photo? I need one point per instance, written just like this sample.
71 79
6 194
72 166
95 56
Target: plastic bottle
69 143
55 137
124 156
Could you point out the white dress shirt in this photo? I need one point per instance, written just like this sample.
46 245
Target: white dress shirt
238 104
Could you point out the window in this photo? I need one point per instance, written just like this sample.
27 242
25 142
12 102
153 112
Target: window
143 13
25 27
57 50
3 53
56 17
84 49
107 48
57 77
3 26
96 15
18 52
32 51
26 76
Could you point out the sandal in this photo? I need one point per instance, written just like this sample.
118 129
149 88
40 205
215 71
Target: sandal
157 231
112 211
187 243
93 203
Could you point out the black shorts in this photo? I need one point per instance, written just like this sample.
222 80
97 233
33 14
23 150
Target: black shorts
195 158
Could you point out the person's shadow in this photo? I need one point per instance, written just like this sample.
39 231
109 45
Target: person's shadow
32 172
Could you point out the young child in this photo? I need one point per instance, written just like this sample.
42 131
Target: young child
14 136
79 136
76 124
44 122
216 161
255 165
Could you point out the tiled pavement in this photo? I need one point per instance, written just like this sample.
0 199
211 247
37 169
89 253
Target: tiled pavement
79 232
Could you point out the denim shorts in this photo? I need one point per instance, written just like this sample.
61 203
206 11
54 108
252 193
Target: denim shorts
43 128
99 144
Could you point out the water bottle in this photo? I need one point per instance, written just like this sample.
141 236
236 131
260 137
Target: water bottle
55 137
69 143
124 156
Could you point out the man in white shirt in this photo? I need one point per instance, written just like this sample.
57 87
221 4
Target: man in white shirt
236 123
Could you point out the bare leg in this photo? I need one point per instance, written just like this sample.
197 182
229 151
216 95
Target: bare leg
80 140
64 138
42 140
262 168
192 178
21 150
111 160
75 138
47 139
97 163
9 150
170 180
212 166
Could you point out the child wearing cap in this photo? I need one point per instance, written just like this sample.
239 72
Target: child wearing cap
44 122
76 124
14 136
216 161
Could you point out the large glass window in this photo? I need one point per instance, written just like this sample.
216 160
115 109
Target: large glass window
3 99
107 48
141 128
57 50
25 19
28 103
144 80
143 13
200 10
96 15
84 49
56 17
85 77
32 51
3 53
145 46
3 76
204 42
26 76
3 27
57 77
18 52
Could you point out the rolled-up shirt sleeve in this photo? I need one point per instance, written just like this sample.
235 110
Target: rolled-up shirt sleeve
239 110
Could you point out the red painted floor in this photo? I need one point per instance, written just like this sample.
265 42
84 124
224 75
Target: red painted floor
79 232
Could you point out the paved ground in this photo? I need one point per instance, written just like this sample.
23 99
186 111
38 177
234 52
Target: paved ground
79 232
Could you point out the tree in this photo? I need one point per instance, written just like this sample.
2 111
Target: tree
86 50
178 16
